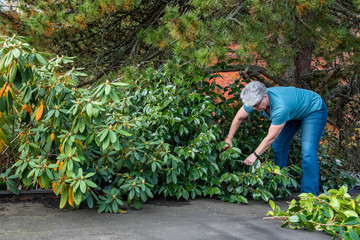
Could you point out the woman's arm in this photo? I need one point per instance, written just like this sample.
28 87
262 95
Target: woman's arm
273 133
240 116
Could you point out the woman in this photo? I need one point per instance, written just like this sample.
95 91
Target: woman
289 109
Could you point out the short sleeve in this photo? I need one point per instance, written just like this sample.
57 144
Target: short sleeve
248 109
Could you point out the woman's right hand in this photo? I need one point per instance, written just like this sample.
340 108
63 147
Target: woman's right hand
228 143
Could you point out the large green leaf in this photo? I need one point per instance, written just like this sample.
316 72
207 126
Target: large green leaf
27 95
41 59
18 80
2 63
45 180
9 59
113 137
89 109
12 73
16 52
82 186
64 197
122 132
12 186
351 221
78 196
3 104
353 234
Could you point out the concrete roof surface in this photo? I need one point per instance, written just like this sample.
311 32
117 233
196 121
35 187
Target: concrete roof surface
199 219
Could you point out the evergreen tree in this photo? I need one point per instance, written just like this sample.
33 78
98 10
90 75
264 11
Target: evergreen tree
303 43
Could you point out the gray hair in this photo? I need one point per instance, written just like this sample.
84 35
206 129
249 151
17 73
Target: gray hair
253 93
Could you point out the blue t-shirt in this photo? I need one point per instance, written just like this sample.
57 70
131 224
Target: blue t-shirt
290 103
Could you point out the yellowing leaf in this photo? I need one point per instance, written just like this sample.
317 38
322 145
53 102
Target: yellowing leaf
3 141
121 211
55 185
61 188
3 137
70 197
3 89
39 112
10 66
80 144
61 166
57 162
40 183
27 107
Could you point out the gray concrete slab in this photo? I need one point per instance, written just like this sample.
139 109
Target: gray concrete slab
200 219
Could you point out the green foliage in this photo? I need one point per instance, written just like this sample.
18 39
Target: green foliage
263 33
117 141
309 44
333 173
84 28
158 134
10 181
274 32
333 211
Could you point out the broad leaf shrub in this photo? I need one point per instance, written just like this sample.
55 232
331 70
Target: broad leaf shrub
333 211
114 142
333 168
158 134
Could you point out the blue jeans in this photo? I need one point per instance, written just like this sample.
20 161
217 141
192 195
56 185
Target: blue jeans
312 127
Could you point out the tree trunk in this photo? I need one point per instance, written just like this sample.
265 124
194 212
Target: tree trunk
303 64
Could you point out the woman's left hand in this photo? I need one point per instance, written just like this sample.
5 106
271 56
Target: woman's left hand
250 159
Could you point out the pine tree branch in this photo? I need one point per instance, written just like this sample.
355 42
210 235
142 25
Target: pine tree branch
349 13
348 98
337 92
328 79
90 81
316 73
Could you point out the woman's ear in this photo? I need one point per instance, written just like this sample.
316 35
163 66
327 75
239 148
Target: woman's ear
266 97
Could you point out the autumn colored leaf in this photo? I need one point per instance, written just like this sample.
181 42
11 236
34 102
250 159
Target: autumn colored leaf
70 197
3 136
2 143
55 185
3 140
10 66
39 112
39 180
27 107
61 165
3 89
